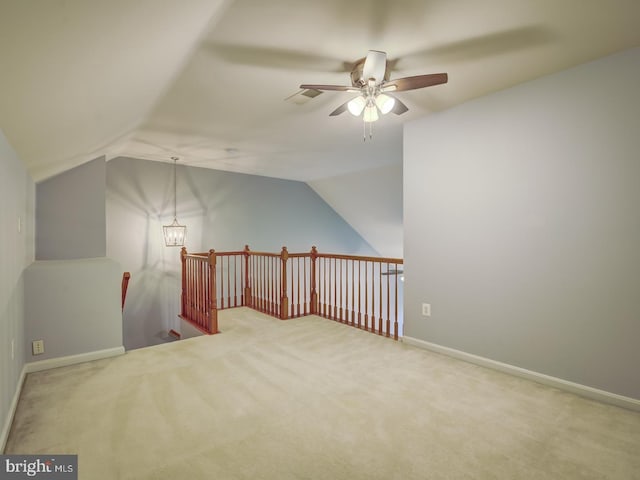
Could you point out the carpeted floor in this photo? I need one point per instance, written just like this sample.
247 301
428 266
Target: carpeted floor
312 399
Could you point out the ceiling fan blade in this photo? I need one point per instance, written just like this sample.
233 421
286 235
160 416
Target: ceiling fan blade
341 109
259 56
339 88
481 46
419 81
375 66
399 108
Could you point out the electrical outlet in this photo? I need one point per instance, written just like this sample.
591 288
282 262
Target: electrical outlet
38 347
426 309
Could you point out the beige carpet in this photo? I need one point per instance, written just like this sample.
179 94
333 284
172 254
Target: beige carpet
312 399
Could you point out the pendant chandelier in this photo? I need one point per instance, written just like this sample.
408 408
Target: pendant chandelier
174 234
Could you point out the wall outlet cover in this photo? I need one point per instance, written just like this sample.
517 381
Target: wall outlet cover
37 347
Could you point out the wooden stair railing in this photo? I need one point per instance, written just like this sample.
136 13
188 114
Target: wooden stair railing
198 300
360 291
126 276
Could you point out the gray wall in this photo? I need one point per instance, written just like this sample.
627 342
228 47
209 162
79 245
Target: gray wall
17 203
371 202
222 210
74 306
70 213
522 227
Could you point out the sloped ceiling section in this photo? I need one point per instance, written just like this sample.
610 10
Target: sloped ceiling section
371 202
79 76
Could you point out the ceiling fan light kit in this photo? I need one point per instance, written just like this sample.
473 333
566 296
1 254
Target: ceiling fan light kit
356 106
370 79
370 114
385 103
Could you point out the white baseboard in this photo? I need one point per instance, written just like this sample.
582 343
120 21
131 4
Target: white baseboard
578 389
73 359
4 436
46 365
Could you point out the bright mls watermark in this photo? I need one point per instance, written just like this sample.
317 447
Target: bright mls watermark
44 467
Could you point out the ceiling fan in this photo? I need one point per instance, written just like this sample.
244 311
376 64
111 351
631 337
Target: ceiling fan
370 79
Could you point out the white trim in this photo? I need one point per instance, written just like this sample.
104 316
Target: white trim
578 389
4 436
73 359
46 365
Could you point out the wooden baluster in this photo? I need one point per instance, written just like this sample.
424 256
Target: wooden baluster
335 289
373 299
327 287
203 288
366 297
265 284
278 286
229 281
200 289
207 296
272 282
295 286
339 301
261 280
305 299
255 285
222 285
353 291
380 319
196 291
395 322
268 263
388 327
183 294
190 289
235 280
320 284
359 293
271 287
296 271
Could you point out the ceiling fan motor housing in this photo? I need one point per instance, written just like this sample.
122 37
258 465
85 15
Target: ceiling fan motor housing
357 78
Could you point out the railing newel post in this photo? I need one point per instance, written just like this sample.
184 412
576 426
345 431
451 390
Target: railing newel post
284 300
183 294
213 303
313 307
248 300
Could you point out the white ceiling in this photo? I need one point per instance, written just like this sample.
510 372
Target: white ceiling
205 80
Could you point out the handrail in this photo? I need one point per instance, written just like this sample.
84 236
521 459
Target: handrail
361 291
126 276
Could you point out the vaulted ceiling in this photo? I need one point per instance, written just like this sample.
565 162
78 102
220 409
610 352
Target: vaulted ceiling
206 80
